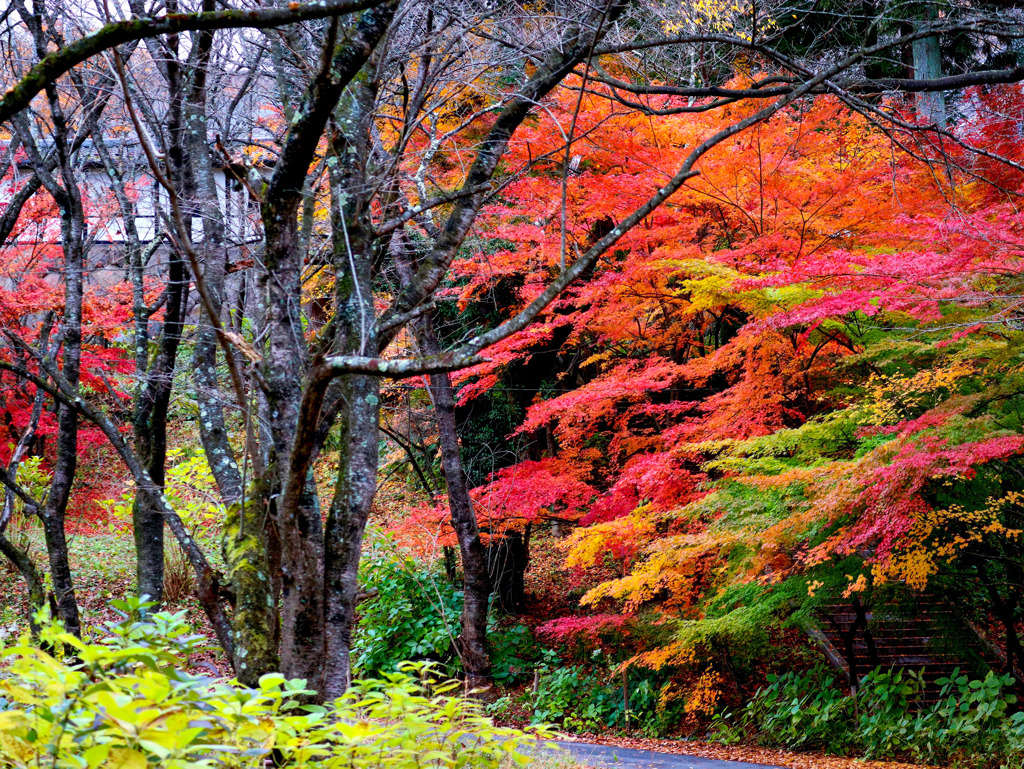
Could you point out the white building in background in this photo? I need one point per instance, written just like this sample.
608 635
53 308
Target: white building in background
107 232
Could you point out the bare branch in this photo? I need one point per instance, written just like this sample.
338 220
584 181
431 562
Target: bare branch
59 62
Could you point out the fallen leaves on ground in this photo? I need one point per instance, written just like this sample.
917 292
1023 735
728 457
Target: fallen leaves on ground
755 755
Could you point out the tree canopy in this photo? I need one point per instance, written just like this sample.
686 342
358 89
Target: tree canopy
745 275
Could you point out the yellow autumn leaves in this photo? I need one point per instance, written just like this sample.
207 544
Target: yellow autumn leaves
941 535
894 398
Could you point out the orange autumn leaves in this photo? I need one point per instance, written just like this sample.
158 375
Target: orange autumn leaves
731 338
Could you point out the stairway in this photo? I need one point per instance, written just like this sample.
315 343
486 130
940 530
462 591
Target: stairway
878 636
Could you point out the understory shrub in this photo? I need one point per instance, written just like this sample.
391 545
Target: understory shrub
127 700
799 710
590 698
971 725
514 651
414 613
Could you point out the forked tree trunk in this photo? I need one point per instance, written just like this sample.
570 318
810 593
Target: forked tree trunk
294 405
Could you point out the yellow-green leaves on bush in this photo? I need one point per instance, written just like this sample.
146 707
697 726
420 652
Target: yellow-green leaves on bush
127 701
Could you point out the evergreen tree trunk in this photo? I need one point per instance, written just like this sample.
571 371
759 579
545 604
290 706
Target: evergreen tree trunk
931 106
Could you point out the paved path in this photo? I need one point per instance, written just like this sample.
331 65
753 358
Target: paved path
609 757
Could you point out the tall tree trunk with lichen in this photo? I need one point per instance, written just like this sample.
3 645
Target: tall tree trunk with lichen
213 432
354 321
248 571
244 539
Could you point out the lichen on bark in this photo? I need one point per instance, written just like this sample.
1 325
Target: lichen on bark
248 573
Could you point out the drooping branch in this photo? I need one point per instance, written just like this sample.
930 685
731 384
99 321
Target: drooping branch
774 87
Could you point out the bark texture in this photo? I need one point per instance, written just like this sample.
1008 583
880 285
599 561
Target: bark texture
355 318
476 579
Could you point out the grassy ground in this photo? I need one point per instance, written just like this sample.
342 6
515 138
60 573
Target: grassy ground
103 569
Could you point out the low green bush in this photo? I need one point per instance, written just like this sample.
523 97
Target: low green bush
972 724
796 710
415 614
126 701
589 698
971 720
577 698
514 651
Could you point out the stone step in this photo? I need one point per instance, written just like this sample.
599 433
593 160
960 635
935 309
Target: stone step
899 642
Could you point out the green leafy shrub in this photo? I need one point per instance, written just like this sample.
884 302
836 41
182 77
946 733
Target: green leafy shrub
884 724
970 726
573 695
590 698
513 651
413 613
801 710
971 719
126 701
190 488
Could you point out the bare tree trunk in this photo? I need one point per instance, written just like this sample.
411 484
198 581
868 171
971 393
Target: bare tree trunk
355 318
33 579
300 531
346 523
68 197
150 425
212 428
508 557
472 644
150 420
